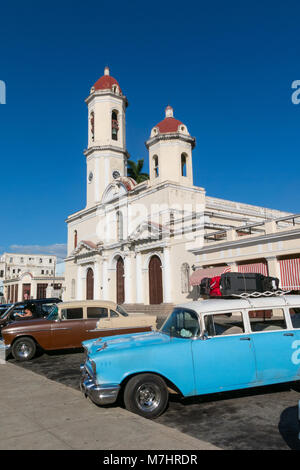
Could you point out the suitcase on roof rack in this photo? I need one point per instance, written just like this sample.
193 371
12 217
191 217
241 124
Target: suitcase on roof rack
270 284
205 286
239 283
215 290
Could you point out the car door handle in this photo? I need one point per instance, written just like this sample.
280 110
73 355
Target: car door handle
246 338
288 334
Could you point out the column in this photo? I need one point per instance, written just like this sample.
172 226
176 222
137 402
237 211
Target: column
97 290
79 283
128 280
167 281
273 267
105 278
139 279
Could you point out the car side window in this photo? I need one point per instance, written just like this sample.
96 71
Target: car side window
46 308
295 317
97 312
267 320
182 324
72 313
222 324
113 314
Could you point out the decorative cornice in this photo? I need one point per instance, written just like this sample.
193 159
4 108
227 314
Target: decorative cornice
171 136
105 148
107 92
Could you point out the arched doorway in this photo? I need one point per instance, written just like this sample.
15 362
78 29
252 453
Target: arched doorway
89 284
155 281
120 287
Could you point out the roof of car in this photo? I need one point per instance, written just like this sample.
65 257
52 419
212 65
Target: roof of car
88 303
35 301
220 305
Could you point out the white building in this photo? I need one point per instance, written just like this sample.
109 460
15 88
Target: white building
132 242
30 276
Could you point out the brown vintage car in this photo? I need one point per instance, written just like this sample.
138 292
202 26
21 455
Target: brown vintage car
70 323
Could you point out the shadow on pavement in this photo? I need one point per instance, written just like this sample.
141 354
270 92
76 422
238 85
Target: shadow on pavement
289 427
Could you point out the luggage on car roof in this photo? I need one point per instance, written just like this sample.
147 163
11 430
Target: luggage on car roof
238 283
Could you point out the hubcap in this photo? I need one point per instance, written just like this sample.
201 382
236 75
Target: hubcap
148 397
23 350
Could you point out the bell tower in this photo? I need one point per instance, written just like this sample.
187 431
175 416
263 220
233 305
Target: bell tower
170 151
106 155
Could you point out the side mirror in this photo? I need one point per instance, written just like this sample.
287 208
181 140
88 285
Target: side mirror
204 335
172 331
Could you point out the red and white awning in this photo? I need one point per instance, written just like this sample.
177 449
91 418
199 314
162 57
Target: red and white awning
290 273
259 268
200 274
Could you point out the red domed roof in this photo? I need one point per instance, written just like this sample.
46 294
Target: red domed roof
106 82
169 124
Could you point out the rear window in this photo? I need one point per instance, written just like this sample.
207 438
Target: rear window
97 312
72 313
267 320
295 317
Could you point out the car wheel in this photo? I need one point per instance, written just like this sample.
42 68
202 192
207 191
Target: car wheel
146 395
23 349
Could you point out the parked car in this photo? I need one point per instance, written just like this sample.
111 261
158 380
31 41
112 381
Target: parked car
70 323
203 347
42 308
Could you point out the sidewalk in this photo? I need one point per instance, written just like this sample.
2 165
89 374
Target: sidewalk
37 413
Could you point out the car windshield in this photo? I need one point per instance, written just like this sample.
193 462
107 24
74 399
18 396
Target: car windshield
182 323
3 311
6 312
53 315
121 311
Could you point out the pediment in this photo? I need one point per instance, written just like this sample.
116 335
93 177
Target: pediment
148 230
85 247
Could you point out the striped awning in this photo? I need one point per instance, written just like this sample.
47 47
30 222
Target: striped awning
259 268
290 273
199 274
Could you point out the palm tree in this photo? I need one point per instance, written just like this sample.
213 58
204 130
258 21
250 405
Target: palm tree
134 171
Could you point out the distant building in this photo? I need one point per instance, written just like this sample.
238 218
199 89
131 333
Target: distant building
30 276
132 242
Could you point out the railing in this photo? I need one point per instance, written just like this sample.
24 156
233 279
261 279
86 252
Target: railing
258 228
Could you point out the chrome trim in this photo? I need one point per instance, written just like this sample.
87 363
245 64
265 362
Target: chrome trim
99 394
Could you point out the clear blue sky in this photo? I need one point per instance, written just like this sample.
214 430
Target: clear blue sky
226 67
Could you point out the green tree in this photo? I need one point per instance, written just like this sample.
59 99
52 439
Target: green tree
134 170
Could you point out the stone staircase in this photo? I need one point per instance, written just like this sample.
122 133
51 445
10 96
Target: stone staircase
161 311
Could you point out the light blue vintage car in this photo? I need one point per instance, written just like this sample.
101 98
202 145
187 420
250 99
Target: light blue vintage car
203 347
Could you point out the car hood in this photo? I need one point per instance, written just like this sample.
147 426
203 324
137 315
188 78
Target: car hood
121 342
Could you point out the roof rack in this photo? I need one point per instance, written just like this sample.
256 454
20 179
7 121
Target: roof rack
254 295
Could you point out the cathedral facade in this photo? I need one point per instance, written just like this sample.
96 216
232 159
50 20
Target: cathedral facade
133 243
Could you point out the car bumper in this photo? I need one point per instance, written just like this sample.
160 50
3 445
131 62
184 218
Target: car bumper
99 394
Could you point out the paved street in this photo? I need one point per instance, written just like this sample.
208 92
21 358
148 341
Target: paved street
37 413
264 418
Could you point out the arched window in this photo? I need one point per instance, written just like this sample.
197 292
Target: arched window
92 122
75 239
73 287
119 226
114 125
155 166
185 278
183 164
